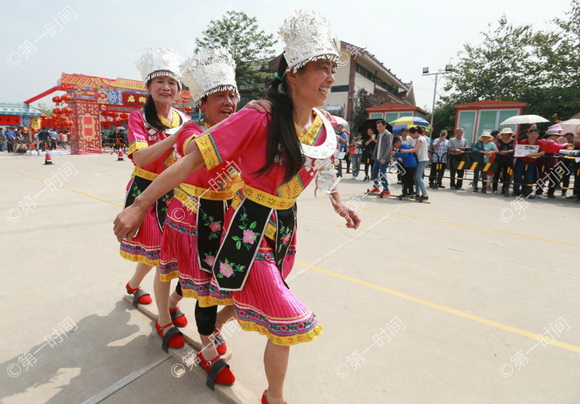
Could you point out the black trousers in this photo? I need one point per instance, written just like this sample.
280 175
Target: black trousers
436 173
408 182
205 317
454 160
569 164
504 169
368 163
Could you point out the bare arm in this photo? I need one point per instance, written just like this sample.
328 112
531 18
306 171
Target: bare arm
129 220
351 217
148 155
414 149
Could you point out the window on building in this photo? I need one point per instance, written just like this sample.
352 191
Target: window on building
363 71
339 89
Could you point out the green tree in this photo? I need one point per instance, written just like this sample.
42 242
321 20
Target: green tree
363 101
44 108
517 63
250 47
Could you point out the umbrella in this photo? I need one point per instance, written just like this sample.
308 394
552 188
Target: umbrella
398 128
555 127
410 120
337 120
523 119
570 126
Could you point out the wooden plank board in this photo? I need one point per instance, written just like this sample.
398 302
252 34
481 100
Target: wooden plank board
236 394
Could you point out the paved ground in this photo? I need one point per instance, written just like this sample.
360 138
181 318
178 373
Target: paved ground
438 303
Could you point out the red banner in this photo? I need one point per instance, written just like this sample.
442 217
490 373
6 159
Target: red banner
86 137
10 120
134 99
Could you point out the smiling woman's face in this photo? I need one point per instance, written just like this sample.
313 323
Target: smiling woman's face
163 89
218 106
311 84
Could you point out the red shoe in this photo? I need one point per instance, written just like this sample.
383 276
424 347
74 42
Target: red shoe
385 193
374 191
218 371
219 342
265 400
178 317
139 295
173 338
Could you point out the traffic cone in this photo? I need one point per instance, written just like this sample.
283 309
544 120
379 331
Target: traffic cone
47 158
120 156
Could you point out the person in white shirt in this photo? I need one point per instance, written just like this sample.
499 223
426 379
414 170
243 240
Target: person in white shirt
438 160
420 149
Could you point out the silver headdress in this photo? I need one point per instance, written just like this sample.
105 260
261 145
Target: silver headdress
308 37
209 71
159 62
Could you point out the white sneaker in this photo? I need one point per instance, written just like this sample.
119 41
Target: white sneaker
541 197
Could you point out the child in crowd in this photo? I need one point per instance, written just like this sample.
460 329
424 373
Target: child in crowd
409 161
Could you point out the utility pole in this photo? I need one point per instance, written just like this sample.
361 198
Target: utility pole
448 69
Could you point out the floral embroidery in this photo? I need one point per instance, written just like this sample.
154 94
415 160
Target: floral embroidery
229 269
164 199
135 191
304 324
226 270
214 225
250 235
209 259
285 233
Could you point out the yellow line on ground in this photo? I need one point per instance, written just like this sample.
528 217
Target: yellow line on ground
507 233
442 308
67 188
393 292
469 226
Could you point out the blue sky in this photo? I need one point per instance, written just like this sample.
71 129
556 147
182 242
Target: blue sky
41 39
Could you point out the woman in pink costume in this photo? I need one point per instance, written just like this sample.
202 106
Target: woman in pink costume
152 135
279 154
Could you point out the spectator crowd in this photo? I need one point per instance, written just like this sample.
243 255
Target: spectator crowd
531 164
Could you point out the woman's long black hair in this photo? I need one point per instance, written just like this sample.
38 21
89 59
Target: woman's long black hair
151 115
282 140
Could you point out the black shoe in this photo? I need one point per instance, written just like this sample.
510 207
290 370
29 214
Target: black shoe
475 189
441 186
484 191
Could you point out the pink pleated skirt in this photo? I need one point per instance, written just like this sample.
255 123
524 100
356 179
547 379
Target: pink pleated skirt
146 246
180 257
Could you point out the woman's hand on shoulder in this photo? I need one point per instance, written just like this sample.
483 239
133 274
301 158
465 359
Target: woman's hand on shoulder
262 106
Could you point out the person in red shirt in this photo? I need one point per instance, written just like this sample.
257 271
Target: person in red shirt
525 174
549 163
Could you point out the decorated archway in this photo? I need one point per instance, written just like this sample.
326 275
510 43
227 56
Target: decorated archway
91 104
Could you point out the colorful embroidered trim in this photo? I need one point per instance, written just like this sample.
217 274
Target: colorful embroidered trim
208 150
137 145
266 199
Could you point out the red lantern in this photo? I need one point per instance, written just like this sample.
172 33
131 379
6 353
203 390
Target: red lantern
188 108
124 117
66 98
67 110
56 99
57 111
